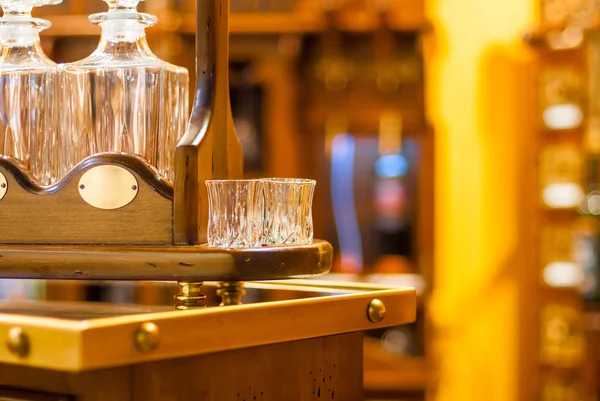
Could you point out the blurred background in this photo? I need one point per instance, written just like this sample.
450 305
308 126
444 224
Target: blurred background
456 145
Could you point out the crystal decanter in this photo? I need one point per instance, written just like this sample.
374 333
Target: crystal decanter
28 91
122 98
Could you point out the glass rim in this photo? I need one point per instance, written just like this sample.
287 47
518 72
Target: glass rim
232 181
290 180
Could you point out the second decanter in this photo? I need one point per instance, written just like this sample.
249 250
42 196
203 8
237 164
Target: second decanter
122 98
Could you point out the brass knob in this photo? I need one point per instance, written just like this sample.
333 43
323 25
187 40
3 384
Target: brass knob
376 311
18 342
146 337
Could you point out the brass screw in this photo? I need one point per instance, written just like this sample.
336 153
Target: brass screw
146 337
18 342
376 311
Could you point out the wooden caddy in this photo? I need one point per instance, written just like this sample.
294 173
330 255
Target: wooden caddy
53 232
307 346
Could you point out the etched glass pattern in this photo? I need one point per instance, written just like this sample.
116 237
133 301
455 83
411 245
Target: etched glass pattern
122 98
28 91
288 211
235 213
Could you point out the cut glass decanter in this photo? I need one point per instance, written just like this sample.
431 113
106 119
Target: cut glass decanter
122 98
28 91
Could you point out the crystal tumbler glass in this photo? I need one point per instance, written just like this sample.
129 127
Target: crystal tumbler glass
288 211
235 213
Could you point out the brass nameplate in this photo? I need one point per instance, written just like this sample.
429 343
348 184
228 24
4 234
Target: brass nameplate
108 187
3 186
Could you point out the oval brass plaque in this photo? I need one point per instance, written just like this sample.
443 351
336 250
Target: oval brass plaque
3 186
108 187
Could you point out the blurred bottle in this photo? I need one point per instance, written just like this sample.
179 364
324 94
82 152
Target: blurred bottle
562 343
122 98
561 390
560 176
588 227
28 85
561 90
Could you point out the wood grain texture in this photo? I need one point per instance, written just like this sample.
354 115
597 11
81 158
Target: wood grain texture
23 395
210 149
100 385
326 368
174 263
32 214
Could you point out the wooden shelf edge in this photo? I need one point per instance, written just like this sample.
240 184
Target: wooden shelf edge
246 23
164 263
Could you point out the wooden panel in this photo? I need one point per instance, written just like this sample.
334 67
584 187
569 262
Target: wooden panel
99 385
210 148
58 215
17 395
324 368
397 373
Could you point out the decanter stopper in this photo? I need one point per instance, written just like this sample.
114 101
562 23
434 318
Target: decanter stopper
122 4
17 18
124 10
22 8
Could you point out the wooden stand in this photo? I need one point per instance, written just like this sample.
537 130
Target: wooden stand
113 217
308 348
